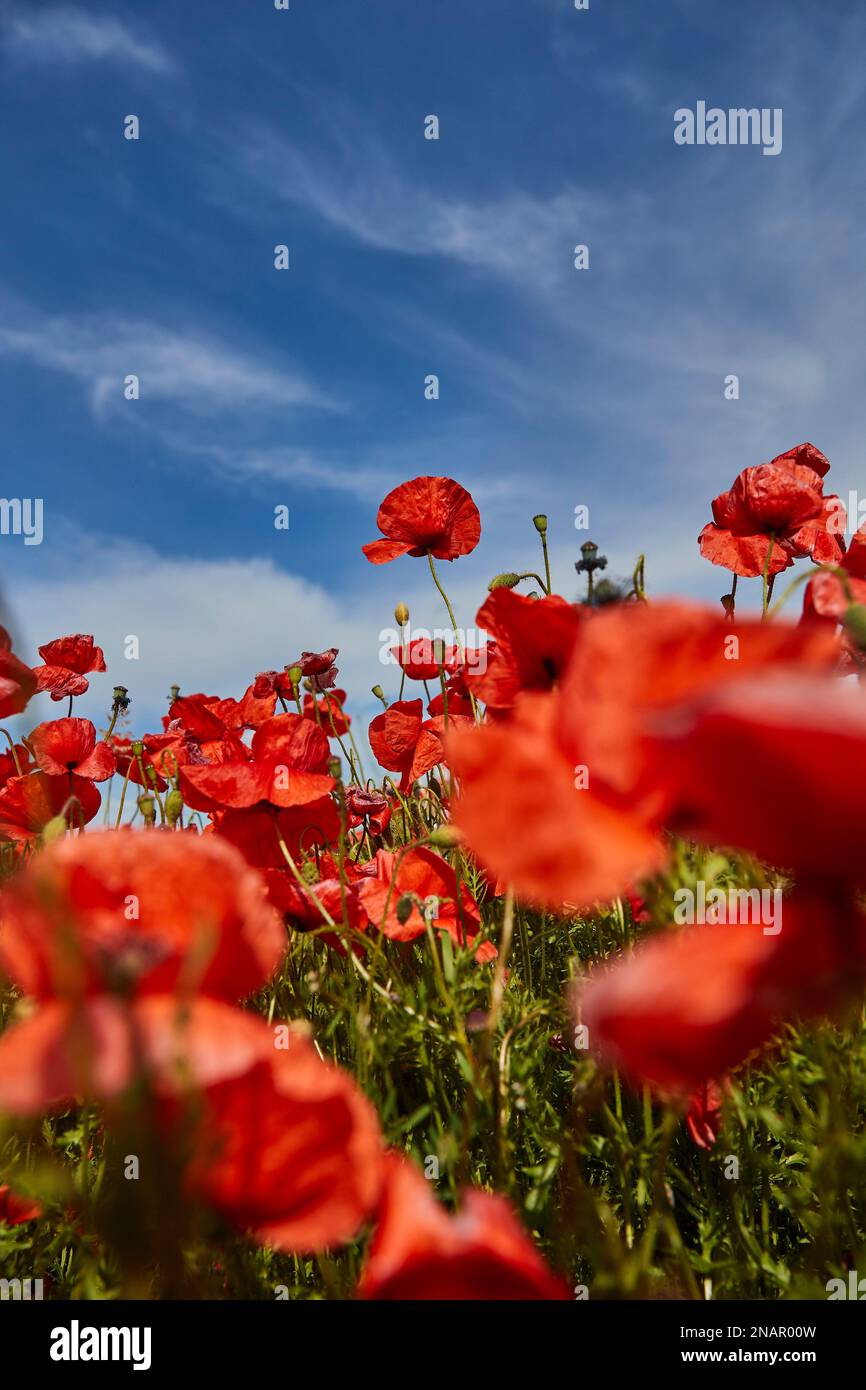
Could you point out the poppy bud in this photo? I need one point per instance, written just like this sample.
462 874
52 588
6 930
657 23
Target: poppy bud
540 524
727 601
404 909
147 807
445 836
855 624
294 674
335 768
173 806
401 615
507 580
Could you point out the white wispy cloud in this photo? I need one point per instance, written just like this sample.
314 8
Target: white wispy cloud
65 35
185 368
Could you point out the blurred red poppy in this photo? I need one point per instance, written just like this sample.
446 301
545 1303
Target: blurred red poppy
537 820
426 516
633 663
787 753
279 1142
690 1005
704 1116
15 1210
139 913
69 745
17 681
419 1252
67 662
534 641
829 596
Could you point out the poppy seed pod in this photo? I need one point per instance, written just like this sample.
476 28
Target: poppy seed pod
540 524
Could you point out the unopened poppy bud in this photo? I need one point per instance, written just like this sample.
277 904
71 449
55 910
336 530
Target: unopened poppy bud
147 807
173 806
855 623
507 580
727 601
445 836
401 615
540 524
54 829
404 909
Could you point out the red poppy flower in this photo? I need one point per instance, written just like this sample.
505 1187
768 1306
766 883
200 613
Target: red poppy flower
28 803
704 1117
318 668
317 663
690 1005
419 1252
257 832
15 762
272 683
422 659
534 641
805 455
17 681
206 724
142 913
286 765
283 1144
69 745
418 881
526 811
778 506
15 1210
427 516
403 741
67 662
368 808
829 596
331 715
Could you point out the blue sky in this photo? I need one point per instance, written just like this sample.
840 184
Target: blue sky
408 256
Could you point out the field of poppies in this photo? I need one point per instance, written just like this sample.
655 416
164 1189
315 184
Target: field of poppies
565 1002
